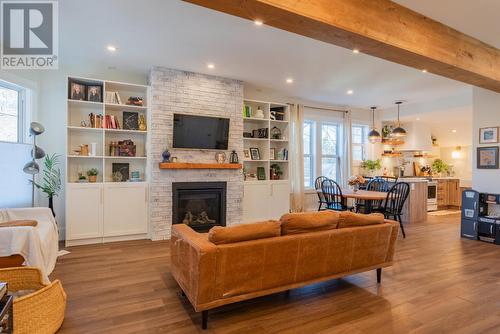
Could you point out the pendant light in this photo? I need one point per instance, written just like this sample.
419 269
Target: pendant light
374 135
398 132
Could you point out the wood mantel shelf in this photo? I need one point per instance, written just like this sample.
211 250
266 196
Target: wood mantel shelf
189 165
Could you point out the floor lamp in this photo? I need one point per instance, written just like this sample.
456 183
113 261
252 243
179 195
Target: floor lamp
32 168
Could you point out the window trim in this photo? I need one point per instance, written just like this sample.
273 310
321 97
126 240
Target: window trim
364 145
21 111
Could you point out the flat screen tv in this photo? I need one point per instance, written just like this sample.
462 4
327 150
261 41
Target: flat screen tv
200 132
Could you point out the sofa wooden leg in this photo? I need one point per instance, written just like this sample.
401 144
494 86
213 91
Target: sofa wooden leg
379 275
204 319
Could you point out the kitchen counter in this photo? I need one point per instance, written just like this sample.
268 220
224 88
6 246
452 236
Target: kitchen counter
415 207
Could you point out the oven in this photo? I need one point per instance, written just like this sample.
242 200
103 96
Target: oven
432 202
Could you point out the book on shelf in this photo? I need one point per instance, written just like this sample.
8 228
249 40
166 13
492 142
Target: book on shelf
113 97
110 122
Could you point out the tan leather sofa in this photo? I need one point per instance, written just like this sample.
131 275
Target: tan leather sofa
302 249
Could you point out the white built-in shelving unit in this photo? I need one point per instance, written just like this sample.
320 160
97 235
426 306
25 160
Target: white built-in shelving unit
105 210
266 199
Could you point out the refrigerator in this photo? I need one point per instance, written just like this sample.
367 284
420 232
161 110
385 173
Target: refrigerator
470 214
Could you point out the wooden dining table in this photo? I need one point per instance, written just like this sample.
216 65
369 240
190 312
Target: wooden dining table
365 195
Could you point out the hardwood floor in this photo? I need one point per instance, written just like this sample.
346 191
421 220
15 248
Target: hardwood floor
438 284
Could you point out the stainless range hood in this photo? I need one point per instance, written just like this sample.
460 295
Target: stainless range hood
418 137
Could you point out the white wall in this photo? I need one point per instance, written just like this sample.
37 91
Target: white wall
462 165
486 106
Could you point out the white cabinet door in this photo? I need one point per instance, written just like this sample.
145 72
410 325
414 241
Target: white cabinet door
279 201
83 211
125 209
255 200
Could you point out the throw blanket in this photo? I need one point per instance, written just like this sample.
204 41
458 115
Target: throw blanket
38 245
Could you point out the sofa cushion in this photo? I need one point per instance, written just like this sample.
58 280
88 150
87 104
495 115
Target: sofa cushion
16 223
303 222
227 235
351 219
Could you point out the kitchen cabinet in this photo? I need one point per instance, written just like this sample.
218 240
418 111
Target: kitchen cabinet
448 193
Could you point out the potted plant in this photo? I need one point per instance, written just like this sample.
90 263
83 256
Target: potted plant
82 178
92 174
439 167
276 172
51 182
371 166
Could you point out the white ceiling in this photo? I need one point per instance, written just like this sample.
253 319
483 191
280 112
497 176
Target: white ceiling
477 18
184 36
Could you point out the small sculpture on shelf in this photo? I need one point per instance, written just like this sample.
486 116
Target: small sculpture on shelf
220 157
135 101
275 133
142 123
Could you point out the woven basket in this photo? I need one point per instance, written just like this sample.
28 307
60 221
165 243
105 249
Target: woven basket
40 312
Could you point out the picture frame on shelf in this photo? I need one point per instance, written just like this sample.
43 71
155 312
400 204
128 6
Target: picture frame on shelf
488 135
77 90
120 171
261 173
94 93
272 153
246 154
130 120
255 153
487 157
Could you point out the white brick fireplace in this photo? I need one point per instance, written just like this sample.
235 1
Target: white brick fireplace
175 91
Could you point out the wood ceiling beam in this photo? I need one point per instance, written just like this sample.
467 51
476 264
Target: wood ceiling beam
379 28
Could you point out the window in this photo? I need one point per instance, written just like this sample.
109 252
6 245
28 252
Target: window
11 112
321 150
308 154
359 142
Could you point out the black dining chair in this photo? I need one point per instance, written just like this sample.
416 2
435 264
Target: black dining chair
319 191
333 196
396 198
376 184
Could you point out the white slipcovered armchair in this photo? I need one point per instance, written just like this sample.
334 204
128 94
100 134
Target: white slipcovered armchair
37 245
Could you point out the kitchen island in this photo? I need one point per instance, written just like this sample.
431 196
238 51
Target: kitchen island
415 207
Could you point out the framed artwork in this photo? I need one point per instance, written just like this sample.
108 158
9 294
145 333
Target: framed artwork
120 172
272 153
130 120
254 153
261 173
488 135
246 153
76 90
94 93
487 157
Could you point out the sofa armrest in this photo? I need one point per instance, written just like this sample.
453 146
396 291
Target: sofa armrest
392 241
193 260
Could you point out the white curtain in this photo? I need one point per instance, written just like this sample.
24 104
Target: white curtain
296 158
346 158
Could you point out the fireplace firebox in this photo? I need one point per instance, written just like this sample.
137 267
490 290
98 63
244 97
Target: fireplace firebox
200 205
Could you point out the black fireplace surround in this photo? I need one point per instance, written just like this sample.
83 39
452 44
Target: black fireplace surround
200 205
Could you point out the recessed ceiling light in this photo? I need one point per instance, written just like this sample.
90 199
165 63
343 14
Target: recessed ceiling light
258 22
211 66
418 118
424 70
111 48
356 51
289 80
350 92
454 131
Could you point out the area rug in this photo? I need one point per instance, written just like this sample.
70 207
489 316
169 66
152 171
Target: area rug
444 212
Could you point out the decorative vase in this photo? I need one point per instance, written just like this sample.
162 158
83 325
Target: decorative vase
166 156
142 123
259 113
355 187
51 205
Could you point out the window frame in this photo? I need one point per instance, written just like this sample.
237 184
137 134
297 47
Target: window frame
21 111
364 145
316 146
311 154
